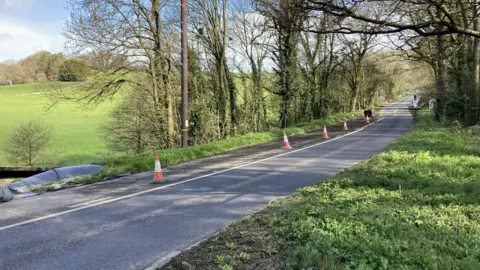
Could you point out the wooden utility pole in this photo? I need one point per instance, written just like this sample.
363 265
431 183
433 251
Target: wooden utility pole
184 40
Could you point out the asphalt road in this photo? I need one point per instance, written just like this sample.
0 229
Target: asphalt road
134 232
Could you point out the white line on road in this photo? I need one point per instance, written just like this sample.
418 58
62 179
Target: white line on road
176 183
89 202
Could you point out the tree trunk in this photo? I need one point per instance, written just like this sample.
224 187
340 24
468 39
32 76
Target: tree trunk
354 87
222 104
170 120
353 101
257 100
440 79
233 101
475 70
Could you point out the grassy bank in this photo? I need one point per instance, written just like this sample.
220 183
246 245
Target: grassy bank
414 206
144 162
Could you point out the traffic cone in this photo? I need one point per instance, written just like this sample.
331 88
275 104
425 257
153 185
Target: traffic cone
325 133
345 125
367 120
158 175
286 144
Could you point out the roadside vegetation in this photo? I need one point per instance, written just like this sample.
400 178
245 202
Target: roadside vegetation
143 162
413 206
116 164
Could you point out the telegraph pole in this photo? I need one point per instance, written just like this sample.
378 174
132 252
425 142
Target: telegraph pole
184 40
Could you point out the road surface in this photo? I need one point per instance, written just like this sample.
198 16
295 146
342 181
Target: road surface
136 230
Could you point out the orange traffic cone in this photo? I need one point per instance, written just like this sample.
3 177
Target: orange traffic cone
286 144
345 125
367 120
158 175
325 133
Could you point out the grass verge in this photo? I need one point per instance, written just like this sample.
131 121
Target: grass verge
413 206
144 162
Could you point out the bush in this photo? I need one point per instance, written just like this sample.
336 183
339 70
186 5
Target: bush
74 70
131 127
27 142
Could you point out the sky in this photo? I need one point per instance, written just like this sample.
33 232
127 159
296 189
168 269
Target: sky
27 26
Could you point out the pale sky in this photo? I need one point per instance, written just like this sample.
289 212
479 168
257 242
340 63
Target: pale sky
27 26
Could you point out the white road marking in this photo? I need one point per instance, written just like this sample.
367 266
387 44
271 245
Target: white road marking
89 202
176 183
164 260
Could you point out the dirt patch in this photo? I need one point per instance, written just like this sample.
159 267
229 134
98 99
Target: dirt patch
247 244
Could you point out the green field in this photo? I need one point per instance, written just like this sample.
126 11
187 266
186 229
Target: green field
75 131
26 89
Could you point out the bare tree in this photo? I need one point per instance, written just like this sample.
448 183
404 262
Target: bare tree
130 127
252 40
136 30
356 50
284 17
431 17
211 24
26 143
447 21
318 60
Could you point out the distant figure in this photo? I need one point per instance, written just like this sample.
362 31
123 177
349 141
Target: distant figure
381 99
414 97
431 104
